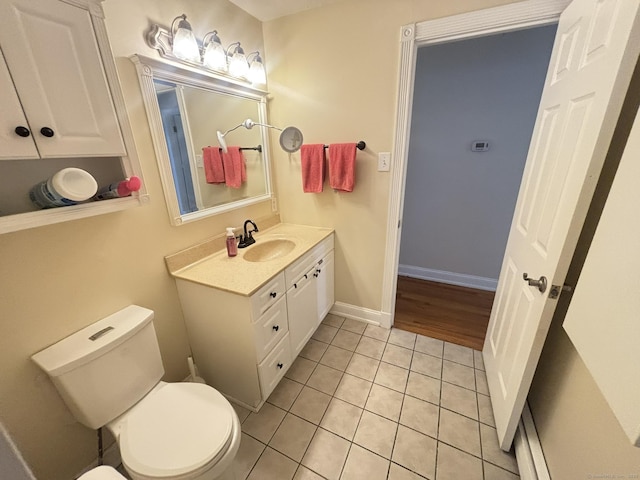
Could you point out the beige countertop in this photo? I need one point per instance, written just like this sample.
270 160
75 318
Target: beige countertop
237 275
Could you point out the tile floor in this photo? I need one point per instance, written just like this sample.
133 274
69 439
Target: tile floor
362 402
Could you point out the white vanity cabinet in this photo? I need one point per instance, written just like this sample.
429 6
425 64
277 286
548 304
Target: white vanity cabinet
243 345
61 107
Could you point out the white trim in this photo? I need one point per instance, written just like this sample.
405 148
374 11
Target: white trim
531 462
468 25
357 313
451 278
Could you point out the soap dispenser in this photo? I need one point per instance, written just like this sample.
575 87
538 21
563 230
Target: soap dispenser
232 246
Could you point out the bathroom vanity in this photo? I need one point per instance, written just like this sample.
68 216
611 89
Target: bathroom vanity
249 316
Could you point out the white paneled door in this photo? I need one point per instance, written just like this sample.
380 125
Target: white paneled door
595 51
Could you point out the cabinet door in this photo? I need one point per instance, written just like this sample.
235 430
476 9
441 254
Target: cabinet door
12 145
302 309
54 60
325 285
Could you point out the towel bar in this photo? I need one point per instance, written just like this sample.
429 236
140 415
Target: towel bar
361 145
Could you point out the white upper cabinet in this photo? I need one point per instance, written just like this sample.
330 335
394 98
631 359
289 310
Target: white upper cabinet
15 136
56 69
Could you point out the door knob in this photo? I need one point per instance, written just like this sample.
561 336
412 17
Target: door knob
541 283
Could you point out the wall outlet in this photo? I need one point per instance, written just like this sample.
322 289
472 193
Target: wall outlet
274 204
199 161
384 161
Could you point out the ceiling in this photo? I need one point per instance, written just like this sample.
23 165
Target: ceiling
266 10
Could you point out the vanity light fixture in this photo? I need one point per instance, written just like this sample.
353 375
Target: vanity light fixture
184 43
290 137
256 69
214 56
238 66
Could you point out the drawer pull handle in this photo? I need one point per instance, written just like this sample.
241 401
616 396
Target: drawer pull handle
280 365
295 285
47 132
273 294
315 275
305 276
22 131
276 327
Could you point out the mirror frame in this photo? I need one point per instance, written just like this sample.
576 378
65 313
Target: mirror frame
150 69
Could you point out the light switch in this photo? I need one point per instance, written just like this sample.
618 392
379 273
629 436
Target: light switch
384 161
199 162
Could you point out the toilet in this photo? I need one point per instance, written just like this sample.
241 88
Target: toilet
109 375
102 473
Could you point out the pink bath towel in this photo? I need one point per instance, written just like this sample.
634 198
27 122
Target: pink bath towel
342 166
312 158
235 170
213 169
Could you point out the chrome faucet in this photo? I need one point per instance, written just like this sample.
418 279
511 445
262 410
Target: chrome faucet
248 239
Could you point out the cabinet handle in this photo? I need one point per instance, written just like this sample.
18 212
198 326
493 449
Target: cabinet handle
305 276
280 365
22 131
273 294
276 327
315 275
295 285
46 131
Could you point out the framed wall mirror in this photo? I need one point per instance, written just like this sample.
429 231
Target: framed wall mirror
185 107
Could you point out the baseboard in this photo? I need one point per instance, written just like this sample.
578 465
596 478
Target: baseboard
452 278
357 313
531 462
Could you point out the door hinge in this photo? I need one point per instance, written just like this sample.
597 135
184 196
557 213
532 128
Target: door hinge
557 289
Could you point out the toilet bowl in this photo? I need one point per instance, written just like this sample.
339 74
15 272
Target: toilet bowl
109 374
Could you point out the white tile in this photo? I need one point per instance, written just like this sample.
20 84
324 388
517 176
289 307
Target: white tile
347 340
398 356
426 364
304 473
459 431
325 379
262 425
392 377
313 350
459 400
333 320
396 472
376 433
458 354
485 411
454 464
370 347
324 333
430 346
402 338
491 472
341 418
363 367
415 451
364 465
327 454
300 370
355 326
492 453
248 453
293 437
337 358
481 382
242 412
421 416
385 402
478 362
311 405
285 393
379 333
458 375
353 390
423 387
273 466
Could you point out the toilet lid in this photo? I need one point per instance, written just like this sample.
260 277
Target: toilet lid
176 430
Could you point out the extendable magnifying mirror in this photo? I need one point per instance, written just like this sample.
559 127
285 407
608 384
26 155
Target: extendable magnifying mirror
290 138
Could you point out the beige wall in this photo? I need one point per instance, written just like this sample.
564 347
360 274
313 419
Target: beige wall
333 72
57 279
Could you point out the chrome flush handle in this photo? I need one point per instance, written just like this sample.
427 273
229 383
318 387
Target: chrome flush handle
541 283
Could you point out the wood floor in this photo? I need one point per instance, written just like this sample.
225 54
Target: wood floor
456 314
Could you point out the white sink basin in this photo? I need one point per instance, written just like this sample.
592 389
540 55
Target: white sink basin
269 250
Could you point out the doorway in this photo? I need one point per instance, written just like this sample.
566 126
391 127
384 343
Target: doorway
474 108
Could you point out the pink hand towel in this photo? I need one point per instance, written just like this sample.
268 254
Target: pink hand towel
213 169
235 170
342 166
312 158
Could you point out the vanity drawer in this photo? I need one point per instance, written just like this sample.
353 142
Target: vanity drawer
307 261
267 295
271 328
273 368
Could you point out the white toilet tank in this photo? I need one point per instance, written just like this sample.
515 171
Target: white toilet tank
104 369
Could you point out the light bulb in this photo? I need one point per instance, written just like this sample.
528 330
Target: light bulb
214 56
238 66
185 45
256 71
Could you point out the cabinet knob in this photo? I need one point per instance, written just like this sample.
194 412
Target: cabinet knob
273 294
46 131
276 327
280 365
22 131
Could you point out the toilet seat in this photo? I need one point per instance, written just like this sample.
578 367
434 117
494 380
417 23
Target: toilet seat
176 431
